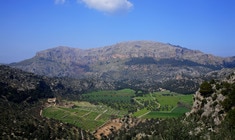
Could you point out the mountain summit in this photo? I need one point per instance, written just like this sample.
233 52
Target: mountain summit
133 64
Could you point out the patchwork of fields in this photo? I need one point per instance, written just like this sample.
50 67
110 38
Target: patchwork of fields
163 105
99 107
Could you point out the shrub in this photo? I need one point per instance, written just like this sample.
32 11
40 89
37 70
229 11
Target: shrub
206 89
230 117
214 104
204 101
214 97
218 86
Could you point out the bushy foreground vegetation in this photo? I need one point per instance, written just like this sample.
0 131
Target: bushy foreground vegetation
172 129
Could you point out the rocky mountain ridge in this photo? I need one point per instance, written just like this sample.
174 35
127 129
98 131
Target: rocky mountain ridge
125 50
135 64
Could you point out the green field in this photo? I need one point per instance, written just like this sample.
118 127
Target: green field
141 112
163 104
123 96
117 99
177 112
83 114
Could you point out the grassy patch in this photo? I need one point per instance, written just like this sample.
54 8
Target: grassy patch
180 110
140 112
177 112
157 114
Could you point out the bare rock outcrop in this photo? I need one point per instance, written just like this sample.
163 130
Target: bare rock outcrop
210 107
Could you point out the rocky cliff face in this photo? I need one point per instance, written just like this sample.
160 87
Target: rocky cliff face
152 64
215 103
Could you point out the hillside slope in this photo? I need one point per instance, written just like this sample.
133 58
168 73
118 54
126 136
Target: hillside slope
22 96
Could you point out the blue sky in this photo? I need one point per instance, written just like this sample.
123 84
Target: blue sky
29 26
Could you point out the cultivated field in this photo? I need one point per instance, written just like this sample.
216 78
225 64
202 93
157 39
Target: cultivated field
163 105
101 106
83 114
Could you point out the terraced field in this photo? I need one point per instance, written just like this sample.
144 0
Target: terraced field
83 114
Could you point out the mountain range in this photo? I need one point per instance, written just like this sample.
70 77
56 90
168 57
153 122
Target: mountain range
144 65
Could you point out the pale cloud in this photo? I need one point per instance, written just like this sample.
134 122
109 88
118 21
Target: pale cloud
60 1
109 6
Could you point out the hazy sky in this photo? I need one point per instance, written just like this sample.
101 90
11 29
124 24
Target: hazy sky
29 26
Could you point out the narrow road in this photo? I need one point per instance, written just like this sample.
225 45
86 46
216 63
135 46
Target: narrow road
100 114
144 114
86 114
159 105
138 102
